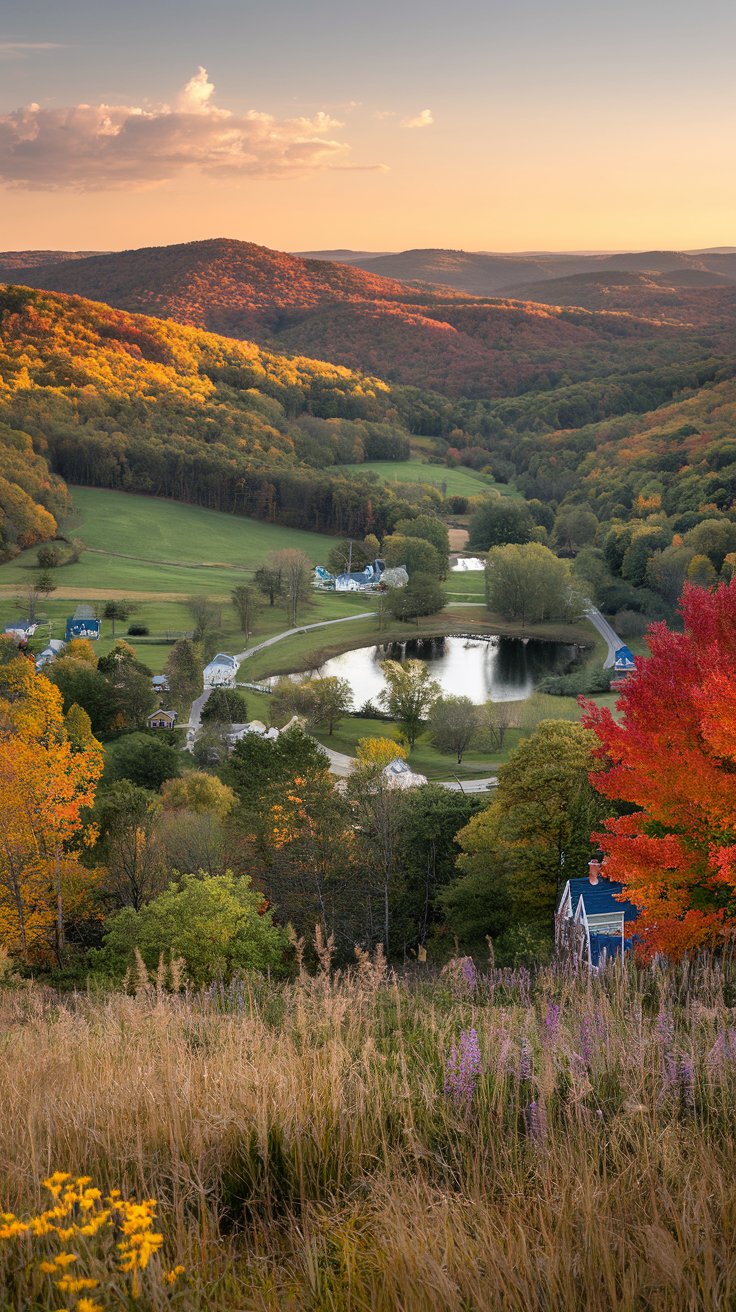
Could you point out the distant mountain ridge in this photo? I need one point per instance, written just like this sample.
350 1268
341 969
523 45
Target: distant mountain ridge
428 337
487 273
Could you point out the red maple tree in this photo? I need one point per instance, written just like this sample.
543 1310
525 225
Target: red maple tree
672 756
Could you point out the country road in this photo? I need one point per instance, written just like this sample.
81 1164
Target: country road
607 632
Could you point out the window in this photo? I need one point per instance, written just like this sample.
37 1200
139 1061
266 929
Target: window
610 923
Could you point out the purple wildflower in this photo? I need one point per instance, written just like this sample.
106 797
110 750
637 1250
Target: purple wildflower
687 1084
463 1068
585 1042
665 1029
552 1023
536 1121
470 974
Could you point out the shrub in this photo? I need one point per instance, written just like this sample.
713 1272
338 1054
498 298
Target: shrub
138 630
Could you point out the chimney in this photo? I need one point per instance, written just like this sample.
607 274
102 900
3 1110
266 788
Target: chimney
594 870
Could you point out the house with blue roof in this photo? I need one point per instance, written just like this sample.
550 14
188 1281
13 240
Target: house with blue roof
362 580
591 918
623 661
82 627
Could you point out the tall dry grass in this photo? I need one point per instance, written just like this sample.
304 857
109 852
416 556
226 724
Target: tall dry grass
306 1154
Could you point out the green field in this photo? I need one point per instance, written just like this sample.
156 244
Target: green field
456 482
157 554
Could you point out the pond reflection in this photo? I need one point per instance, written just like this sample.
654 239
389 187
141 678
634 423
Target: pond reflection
475 666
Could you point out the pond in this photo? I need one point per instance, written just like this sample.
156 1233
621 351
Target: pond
475 666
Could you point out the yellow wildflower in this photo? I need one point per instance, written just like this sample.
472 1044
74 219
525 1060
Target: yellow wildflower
87 1305
56 1180
173 1274
72 1285
65 1259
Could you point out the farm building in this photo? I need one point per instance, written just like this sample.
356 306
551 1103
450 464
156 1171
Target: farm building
623 662
360 581
82 627
21 629
162 720
54 648
221 671
590 919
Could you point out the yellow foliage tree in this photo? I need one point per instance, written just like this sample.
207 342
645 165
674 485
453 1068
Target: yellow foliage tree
48 777
378 751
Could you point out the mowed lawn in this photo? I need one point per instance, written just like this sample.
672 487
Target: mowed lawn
456 482
144 544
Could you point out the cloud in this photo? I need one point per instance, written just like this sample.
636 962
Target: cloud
19 49
424 119
97 147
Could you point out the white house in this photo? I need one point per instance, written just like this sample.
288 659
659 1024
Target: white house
360 581
398 774
21 629
221 671
50 653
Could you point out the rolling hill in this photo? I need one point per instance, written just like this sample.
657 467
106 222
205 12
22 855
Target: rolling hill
445 340
112 399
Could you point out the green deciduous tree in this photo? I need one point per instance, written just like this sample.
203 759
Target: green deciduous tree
422 595
183 671
216 924
130 682
453 723
146 759
534 833
498 521
409 695
530 584
225 706
430 530
418 556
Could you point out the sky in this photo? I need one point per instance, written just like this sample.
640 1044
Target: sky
310 124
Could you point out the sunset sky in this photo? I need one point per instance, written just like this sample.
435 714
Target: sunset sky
305 124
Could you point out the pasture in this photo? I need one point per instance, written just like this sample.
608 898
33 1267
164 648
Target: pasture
156 554
456 482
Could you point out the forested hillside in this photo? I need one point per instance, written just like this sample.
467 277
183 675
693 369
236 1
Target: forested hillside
441 340
123 401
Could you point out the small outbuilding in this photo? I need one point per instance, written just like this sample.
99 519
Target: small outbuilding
623 661
50 653
399 774
162 720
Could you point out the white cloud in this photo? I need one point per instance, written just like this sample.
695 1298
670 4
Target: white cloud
96 147
19 49
197 93
424 119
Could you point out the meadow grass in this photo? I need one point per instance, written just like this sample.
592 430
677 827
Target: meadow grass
456 482
473 1141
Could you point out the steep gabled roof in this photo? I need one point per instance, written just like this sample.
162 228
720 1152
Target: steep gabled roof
600 899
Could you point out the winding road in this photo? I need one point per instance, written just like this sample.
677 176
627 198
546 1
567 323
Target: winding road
340 763
607 632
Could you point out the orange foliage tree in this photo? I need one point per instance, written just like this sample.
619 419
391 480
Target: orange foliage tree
47 779
672 756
